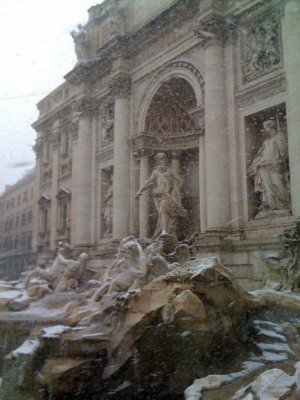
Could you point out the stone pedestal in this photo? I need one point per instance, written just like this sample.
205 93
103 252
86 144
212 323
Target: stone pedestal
216 141
144 199
291 46
121 186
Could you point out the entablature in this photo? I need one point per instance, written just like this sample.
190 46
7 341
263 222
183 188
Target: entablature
151 142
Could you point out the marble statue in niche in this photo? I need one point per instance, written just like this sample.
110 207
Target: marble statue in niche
269 170
166 186
80 42
261 47
107 210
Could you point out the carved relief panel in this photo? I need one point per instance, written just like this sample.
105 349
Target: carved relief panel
260 47
106 202
107 123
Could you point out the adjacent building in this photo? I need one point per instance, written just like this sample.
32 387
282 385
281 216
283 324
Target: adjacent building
16 226
215 86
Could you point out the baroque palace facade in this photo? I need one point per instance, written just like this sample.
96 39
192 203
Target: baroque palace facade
16 226
215 86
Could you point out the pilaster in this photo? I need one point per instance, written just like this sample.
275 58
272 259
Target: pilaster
82 172
144 198
38 149
54 185
120 88
212 31
291 47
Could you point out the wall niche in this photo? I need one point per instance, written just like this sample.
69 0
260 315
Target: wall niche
267 163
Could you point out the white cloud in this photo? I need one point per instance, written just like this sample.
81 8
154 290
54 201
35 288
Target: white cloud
36 52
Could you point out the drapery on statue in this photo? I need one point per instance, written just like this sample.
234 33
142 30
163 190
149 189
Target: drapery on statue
269 170
166 187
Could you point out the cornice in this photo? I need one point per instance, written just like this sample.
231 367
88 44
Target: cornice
167 21
89 71
46 121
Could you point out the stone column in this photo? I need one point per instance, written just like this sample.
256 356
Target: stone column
202 184
216 142
120 86
291 47
82 174
54 186
144 198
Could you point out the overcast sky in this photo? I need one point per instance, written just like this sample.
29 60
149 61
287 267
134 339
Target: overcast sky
36 52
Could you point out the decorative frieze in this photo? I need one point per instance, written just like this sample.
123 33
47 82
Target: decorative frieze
260 47
264 91
150 143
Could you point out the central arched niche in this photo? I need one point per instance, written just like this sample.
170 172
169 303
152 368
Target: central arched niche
169 109
171 113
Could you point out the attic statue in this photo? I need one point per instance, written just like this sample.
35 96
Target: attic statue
80 42
166 185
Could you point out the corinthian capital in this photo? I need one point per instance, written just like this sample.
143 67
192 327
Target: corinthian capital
84 106
38 148
120 85
215 29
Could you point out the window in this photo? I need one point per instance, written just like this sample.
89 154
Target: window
17 221
7 205
23 219
63 217
65 143
29 240
29 217
16 241
44 220
18 200
12 203
47 151
11 224
23 240
31 193
44 209
25 196
6 226
64 198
